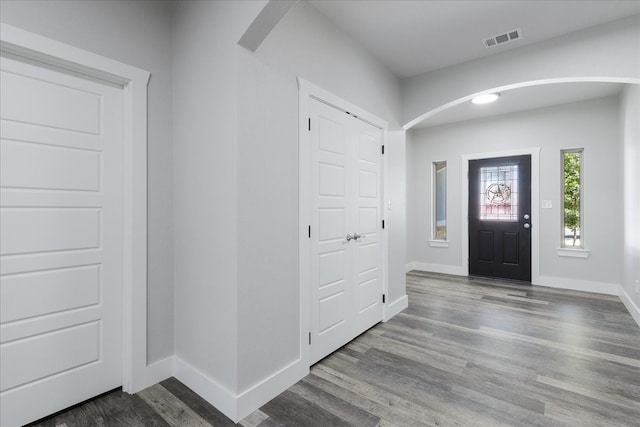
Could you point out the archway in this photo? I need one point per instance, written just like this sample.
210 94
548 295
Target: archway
513 86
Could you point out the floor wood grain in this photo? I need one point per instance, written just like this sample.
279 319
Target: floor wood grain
467 352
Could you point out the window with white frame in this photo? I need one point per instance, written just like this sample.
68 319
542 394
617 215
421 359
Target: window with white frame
439 201
572 200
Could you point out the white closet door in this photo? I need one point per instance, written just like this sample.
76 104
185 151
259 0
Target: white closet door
345 197
60 240
368 223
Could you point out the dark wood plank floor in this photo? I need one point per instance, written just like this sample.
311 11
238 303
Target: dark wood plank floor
467 352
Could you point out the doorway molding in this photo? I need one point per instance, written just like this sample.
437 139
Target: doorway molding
534 152
34 47
306 92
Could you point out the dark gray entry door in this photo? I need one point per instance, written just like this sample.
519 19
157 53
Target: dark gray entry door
500 217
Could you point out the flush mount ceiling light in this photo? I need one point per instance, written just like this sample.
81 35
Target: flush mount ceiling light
485 99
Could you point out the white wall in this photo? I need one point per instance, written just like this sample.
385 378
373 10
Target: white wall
268 284
630 135
592 125
303 44
205 133
396 221
609 50
236 180
306 44
137 33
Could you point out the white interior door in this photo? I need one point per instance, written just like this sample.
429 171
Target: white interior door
60 239
346 253
367 219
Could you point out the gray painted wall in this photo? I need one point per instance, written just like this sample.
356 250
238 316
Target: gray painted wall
303 44
236 165
592 125
139 34
206 78
630 135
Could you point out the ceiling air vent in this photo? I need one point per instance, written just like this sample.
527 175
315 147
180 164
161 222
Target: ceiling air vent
503 38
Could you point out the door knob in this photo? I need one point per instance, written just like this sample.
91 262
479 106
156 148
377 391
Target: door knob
527 225
526 216
349 237
357 236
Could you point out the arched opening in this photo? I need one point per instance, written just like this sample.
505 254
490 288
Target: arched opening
545 177
514 86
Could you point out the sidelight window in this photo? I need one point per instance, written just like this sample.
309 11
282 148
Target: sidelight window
439 201
572 218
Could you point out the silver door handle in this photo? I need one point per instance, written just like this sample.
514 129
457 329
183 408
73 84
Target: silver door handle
349 237
357 236
527 225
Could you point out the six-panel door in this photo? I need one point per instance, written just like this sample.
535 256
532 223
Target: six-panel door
346 250
60 240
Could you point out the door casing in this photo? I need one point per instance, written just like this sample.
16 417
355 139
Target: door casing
307 91
33 47
534 152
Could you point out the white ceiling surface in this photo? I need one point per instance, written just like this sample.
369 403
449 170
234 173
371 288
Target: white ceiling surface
522 99
414 37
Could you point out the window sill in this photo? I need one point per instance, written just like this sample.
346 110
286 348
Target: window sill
438 243
573 253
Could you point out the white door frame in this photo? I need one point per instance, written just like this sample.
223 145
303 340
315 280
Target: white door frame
134 81
534 152
306 92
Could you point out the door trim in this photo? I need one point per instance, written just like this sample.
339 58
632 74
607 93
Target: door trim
534 152
134 82
307 91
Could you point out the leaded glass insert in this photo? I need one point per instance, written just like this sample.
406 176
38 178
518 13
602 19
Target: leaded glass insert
499 193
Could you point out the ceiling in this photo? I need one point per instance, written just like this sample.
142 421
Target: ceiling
414 37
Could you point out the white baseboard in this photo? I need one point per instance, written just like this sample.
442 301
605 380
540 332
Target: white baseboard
455 270
549 281
239 406
158 371
216 394
259 394
395 307
634 310
578 285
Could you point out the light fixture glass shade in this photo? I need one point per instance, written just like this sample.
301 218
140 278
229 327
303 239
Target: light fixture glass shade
485 99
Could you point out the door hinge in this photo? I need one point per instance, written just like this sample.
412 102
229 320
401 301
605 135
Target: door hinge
383 224
383 298
309 231
309 338
309 123
383 149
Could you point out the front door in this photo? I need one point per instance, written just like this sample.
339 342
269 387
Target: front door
500 217
61 239
346 232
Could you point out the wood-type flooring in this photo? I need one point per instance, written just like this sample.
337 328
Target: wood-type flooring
467 352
